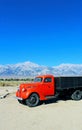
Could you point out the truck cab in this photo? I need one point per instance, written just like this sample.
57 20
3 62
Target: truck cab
42 88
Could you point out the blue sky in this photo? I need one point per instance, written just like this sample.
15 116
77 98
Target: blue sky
46 32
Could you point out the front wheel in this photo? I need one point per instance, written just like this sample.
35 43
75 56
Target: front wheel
33 100
77 95
22 102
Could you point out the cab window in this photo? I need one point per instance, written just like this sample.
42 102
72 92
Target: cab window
46 80
38 79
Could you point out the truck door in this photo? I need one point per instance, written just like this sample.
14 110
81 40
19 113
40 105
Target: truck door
48 87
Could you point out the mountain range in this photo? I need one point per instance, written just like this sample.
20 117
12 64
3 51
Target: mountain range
29 69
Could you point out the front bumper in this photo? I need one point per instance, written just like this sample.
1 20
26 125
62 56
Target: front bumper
18 98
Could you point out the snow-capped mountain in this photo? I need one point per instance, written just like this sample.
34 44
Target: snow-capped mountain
29 69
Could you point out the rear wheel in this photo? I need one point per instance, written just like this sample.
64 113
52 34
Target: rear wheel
33 100
77 95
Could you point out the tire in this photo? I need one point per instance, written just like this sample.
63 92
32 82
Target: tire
19 101
22 102
33 100
77 95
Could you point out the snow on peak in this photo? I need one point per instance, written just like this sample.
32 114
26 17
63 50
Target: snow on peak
29 69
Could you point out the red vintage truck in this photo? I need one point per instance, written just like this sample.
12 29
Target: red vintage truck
47 86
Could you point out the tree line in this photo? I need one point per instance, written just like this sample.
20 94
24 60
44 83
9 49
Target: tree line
12 79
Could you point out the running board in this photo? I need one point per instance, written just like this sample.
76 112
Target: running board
51 97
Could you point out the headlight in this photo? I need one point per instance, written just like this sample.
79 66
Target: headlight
23 89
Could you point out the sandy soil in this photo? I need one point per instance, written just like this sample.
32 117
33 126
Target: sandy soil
63 115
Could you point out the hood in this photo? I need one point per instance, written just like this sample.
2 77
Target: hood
29 85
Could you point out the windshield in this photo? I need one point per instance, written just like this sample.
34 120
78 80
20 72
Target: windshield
38 79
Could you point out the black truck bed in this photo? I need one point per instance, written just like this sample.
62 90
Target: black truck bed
68 82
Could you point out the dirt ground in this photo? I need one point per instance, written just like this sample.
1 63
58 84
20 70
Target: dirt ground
60 115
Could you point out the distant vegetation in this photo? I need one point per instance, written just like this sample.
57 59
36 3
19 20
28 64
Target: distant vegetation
14 82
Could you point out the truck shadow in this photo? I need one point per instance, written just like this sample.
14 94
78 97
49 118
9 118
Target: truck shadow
56 100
